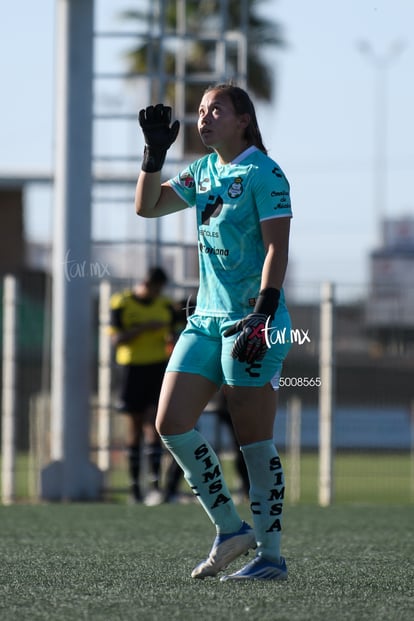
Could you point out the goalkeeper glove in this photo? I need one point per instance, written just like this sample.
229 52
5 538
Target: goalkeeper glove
250 346
155 124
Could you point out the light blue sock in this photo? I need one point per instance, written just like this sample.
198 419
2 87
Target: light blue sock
267 489
203 473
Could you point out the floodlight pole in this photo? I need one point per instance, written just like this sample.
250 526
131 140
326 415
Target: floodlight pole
381 64
70 475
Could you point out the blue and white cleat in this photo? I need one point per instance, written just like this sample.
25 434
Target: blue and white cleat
260 569
225 549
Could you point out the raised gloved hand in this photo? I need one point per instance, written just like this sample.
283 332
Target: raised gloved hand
250 346
159 135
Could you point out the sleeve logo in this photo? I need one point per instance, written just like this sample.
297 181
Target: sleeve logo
187 180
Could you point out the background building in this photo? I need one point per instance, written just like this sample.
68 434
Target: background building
390 302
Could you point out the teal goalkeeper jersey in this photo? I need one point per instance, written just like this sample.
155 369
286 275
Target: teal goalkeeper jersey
231 200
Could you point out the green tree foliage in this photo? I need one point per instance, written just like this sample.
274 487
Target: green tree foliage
205 20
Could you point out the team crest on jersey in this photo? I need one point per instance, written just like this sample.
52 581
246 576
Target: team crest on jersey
236 188
187 180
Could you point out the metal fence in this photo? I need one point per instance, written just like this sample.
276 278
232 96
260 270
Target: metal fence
352 443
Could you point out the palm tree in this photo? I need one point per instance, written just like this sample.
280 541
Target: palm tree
205 20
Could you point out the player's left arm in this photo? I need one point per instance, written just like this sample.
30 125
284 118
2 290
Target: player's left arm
275 234
250 345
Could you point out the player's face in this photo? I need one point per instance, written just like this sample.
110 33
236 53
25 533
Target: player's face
218 124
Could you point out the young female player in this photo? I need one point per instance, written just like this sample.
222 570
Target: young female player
242 206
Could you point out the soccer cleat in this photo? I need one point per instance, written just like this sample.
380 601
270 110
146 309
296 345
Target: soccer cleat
225 549
153 498
260 569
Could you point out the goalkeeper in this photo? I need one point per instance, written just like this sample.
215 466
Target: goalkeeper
241 201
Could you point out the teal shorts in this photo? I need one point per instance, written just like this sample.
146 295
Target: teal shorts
202 349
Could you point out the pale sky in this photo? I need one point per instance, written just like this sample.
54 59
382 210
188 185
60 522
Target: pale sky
320 128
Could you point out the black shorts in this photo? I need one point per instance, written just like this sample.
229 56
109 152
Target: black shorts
140 386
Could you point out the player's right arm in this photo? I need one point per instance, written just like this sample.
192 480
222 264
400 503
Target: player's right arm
153 199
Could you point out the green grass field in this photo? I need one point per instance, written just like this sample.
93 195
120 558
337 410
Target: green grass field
112 561
118 562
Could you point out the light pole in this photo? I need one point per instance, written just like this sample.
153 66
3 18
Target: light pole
381 63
